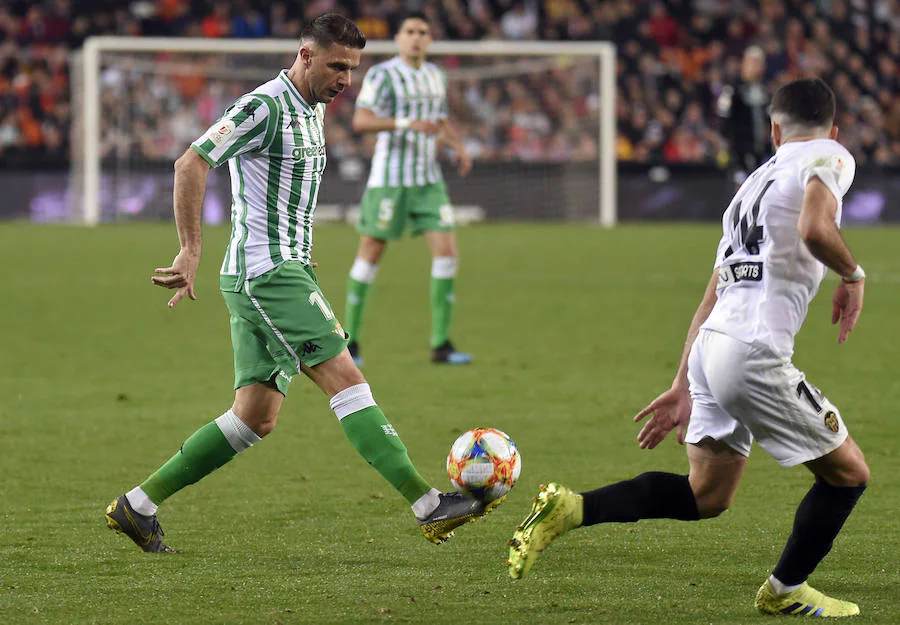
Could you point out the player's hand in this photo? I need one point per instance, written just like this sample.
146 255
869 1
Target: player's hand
423 125
846 306
179 276
670 410
463 161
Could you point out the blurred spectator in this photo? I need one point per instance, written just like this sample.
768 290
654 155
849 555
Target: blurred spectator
370 21
743 107
680 62
217 23
520 22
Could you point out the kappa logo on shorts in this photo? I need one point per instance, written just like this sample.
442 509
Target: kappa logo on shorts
389 430
831 421
310 348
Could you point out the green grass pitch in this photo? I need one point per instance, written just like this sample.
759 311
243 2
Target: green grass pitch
573 329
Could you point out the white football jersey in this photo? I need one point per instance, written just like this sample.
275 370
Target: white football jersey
767 275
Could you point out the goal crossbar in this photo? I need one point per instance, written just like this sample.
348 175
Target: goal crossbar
604 51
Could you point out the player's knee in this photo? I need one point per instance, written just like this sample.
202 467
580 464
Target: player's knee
857 474
712 500
264 428
713 507
846 469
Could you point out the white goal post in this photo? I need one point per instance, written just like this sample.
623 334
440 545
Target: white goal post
88 68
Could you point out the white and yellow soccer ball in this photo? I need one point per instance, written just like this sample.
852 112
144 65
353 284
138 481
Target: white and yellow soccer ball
484 463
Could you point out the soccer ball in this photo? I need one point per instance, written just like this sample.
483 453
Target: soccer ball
484 463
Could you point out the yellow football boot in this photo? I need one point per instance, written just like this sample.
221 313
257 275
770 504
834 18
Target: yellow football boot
555 511
805 601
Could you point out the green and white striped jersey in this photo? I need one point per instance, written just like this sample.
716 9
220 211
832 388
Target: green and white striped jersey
274 142
405 158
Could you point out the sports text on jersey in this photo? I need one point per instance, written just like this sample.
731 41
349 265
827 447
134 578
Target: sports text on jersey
309 152
740 272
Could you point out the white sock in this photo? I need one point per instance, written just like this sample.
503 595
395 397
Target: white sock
779 587
426 504
236 432
444 267
363 271
141 502
352 399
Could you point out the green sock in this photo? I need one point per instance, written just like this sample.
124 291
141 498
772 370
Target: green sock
442 301
377 442
357 293
206 450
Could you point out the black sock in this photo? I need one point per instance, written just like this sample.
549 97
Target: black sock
648 496
820 516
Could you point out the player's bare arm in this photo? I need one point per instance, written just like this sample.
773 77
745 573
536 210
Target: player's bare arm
190 186
672 408
365 120
822 237
449 137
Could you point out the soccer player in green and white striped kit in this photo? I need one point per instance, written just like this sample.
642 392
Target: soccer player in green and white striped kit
404 100
281 324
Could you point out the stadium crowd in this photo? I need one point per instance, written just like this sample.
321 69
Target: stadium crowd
674 60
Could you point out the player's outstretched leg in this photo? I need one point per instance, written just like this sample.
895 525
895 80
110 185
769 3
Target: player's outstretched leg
143 530
376 440
803 601
207 449
555 511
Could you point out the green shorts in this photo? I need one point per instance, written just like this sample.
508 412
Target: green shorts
280 320
384 211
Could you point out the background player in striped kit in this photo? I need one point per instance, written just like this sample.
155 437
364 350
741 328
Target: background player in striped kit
404 100
281 323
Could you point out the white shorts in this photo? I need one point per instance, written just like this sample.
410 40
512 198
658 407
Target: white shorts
741 392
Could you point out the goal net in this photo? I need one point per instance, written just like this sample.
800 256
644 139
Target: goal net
537 117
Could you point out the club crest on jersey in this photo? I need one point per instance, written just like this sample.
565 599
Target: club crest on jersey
831 421
220 133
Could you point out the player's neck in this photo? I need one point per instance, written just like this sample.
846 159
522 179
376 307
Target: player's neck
414 61
803 138
296 76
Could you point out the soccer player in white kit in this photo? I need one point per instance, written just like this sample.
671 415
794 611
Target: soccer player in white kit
736 383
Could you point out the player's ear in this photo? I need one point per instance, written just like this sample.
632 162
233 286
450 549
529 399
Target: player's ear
306 55
776 134
834 133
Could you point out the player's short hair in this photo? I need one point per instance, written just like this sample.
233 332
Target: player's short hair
804 104
332 28
410 15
